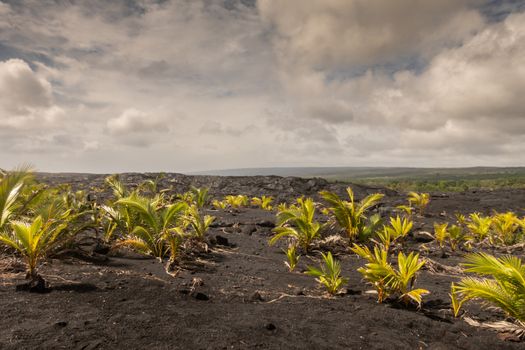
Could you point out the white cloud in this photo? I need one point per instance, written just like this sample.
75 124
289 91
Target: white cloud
25 98
469 92
133 121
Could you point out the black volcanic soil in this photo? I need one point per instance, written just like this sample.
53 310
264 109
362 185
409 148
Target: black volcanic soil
239 295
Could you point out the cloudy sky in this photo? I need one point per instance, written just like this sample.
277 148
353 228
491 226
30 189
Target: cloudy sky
181 85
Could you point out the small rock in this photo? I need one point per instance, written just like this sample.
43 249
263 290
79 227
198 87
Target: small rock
256 296
423 237
220 240
102 249
61 323
266 223
270 327
249 229
201 296
299 291
39 285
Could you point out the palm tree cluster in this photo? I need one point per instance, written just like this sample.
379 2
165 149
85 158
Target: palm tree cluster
505 289
37 221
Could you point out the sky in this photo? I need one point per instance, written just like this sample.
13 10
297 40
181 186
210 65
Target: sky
189 85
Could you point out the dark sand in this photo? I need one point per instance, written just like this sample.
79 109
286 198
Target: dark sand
247 299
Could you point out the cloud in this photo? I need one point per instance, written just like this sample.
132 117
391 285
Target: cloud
465 101
216 128
137 128
474 87
133 121
349 34
25 98
267 83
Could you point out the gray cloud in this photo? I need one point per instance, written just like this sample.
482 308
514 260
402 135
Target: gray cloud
345 34
212 84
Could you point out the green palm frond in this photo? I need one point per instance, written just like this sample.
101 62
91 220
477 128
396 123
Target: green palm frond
441 233
198 223
119 189
292 257
11 184
506 288
505 226
200 196
172 212
281 232
145 207
136 244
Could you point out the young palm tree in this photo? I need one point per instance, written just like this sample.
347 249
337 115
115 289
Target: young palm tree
419 200
197 223
33 241
398 229
265 202
292 257
479 226
386 279
505 289
298 223
200 196
440 235
329 274
505 227
155 233
237 201
350 215
217 204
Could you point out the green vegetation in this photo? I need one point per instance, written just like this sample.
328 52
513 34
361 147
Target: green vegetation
33 240
504 289
154 233
397 230
479 226
292 257
265 202
297 222
419 201
11 185
505 228
217 204
195 224
329 274
430 179
386 279
350 215
200 196
237 201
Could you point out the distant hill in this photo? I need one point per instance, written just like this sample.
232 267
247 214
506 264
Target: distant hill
371 172
400 178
